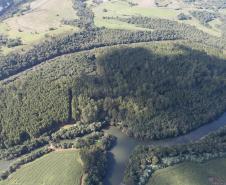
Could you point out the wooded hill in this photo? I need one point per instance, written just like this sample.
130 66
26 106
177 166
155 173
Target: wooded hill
151 90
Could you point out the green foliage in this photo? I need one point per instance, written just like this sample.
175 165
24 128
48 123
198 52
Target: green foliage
76 131
183 16
180 30
10 7
26 159
204 16
156 96
150 90
144 157
20 150
95 165
57 46
38 103
5 41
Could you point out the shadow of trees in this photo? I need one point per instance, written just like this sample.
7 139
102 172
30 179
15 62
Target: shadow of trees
154 94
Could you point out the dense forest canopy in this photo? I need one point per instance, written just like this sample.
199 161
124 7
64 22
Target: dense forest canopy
211 4
5 4
156 96
151 90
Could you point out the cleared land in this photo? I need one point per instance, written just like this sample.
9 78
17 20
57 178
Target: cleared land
208 173
4 165
223 11
44 18
56 168
146 8
123 9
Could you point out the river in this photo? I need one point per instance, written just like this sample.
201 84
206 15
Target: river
125 145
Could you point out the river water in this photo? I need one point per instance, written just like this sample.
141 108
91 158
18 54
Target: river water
125 145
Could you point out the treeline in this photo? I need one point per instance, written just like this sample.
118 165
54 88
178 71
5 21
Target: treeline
104 141
214 5
26 147
181 30
96 143
5 4
13 6
85 14
150 90
204 17
17 62
95 164
5 41
154 95
78 130
145 160
26 159
183 16
163 30
95 160
39 103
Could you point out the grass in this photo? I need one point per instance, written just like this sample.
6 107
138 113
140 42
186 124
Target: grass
115 24
56 168
223 11
4 165
43 14
120 8
212 31
190 173
123 9
39 20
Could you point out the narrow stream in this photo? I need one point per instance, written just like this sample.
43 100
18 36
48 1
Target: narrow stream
125 145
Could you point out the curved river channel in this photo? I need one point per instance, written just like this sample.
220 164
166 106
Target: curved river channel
125 145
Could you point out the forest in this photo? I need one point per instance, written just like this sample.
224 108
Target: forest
107 86
204 16
164 29
159 79
10 7
145 160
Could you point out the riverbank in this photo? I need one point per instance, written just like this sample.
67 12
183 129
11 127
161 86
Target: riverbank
125 145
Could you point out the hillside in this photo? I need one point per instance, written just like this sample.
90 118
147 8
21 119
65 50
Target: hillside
131 85
90 89
208 173
62 167
68 17
4 4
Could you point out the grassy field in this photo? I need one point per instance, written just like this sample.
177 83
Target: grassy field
4 165
223 11
146 8
44 18
122 9
208 173
56 168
